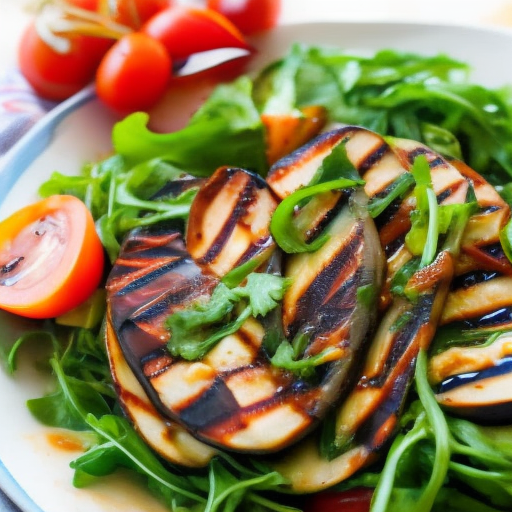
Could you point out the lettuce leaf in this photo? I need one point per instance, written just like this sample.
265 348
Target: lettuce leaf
226 130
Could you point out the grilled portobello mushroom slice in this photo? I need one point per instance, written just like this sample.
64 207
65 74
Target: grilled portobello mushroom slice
234 397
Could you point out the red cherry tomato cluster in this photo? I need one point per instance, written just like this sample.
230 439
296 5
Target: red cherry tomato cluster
131 46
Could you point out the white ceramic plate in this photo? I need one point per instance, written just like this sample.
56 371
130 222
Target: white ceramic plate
36 475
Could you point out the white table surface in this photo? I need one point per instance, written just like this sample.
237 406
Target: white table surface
14 15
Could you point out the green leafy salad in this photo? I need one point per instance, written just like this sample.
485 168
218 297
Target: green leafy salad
436 461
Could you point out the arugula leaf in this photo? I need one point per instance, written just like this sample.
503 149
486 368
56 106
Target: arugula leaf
122 447
197 328
120 197
455 335
83 380
401 278
228 490
69 405
441 140
227 484
404 95
439 450
27 337
274 87
506 239
336 165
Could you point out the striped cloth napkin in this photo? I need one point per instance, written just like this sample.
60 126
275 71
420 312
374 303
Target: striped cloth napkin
20 108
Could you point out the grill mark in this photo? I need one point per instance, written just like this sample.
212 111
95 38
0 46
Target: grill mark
247 337
188 291
494 250
255 249
445 194
156 362
490 209
304 396
367 433
151 253
147 278
388 214
324 140
215 405
118 281
246 197
315 231
437 162
419 315
176 187
146 240
313 300
136 344
372 158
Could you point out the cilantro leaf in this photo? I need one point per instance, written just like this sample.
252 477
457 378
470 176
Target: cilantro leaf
263 292
199 327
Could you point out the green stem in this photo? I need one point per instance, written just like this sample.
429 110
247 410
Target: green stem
441 435
402 443
430 249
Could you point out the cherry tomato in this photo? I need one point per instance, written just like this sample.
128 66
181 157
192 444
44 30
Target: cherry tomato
250 16
56 76
134 73
134 13
51 259
352 500
90 5
187 30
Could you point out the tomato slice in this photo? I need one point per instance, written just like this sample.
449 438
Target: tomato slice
51 258
187 30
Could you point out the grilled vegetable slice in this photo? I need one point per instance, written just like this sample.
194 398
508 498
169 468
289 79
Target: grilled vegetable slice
235 396
167 438
483 395
287 132
472 375
229 221
470 364
367 417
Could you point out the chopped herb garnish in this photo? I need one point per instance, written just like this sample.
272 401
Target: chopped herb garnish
199 327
